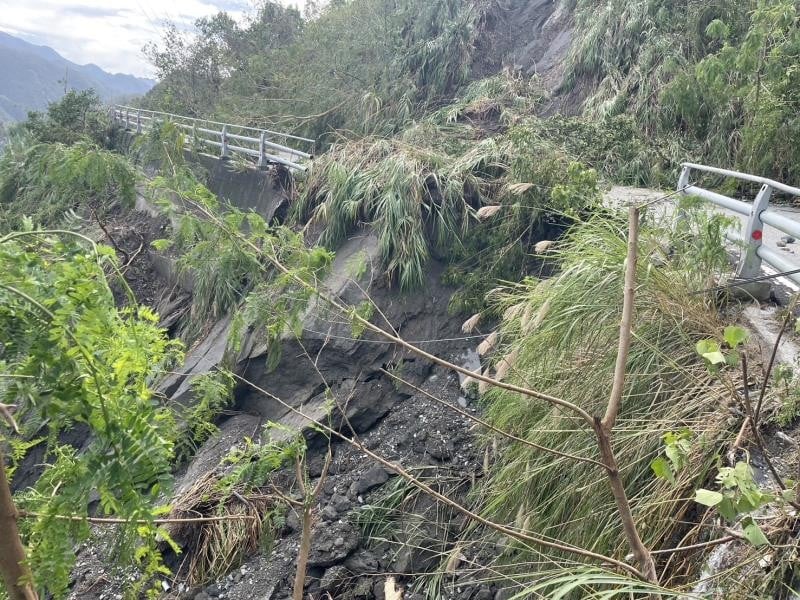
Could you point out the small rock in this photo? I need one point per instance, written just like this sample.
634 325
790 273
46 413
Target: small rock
332 543
462 402
379 589
202 596
483 594
333 578
315 465
213 590
362 562
439 449
372 478
329 513
781 244
340 503
292 522
403 561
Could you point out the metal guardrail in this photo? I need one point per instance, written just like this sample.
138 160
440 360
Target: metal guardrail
251 142
758 214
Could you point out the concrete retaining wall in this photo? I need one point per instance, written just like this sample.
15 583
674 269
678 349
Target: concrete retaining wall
243 187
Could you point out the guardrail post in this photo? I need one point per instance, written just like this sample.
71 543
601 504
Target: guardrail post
194 132
750 262
224 153
683 180
262 151
139 121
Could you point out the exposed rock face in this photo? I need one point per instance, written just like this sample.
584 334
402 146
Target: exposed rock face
326 355
533 37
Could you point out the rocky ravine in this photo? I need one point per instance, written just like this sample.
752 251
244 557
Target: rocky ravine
392 420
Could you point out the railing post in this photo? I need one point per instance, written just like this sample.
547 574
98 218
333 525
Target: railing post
127 119
224 149
139 121
194 133
750 262
262 151
683 180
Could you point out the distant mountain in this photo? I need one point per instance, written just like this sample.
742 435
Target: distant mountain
31 76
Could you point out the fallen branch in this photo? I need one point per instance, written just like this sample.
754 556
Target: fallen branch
717 542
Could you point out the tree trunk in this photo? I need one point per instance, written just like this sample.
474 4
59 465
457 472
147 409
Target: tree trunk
13 562
604 427
302 555
640 552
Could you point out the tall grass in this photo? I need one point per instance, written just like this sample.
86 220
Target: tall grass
559 336
410 194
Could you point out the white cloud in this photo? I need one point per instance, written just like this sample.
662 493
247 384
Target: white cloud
110 34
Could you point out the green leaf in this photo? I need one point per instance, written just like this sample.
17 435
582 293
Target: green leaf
662 469
708 497
735 336
727 509
704 347
715 358
754 534
161 245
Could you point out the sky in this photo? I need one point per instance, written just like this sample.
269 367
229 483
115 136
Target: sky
110 33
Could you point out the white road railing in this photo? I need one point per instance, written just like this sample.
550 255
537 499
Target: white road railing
758 214
265 146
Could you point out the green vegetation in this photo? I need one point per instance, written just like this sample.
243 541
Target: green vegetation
52 165
77 116
43 182
559 336
442 163
234 490
70 359
422 190
221 249
715 79
364 66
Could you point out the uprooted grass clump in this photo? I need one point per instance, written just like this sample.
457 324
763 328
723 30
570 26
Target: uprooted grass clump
248 516
424 189
559 336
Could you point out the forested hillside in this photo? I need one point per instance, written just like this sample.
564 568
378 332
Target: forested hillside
443 362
